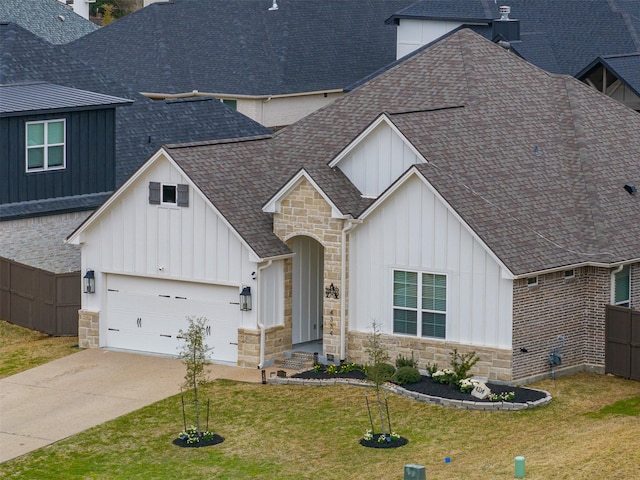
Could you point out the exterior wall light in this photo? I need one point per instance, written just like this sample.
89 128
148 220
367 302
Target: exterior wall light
89 282
245 299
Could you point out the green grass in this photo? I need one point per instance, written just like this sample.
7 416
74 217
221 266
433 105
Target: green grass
629 406
300 432
22 349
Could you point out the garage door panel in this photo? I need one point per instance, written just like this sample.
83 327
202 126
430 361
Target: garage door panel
139 319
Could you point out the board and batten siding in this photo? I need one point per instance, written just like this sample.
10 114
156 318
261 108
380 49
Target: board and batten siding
133 237
89 157
414 230
378 161
412 34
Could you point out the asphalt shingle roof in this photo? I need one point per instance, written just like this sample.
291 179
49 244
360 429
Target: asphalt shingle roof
50 20
534 162
142 127
240 47
559 36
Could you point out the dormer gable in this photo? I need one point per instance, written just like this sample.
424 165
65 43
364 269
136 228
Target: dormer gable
377 157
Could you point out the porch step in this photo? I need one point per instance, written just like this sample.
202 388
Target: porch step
297 361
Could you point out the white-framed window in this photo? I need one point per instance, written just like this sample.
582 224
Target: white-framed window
622 287
532 281
419 304
568 274
45 145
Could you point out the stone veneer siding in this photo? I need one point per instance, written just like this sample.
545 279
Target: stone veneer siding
494 363
277 341
571 307
305 213
88 329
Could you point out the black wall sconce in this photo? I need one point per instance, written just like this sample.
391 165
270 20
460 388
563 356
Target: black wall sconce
89 282
245 299
332 291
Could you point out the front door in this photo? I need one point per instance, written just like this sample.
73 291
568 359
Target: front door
308 270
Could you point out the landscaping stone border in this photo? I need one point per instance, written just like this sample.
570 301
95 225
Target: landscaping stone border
445 402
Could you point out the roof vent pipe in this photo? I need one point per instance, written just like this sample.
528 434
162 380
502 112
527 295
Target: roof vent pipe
505 28
274 6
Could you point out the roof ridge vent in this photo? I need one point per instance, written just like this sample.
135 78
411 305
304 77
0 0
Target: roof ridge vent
504 12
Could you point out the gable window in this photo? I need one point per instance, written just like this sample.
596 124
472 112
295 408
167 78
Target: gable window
622 294
169 194
419 304
45 145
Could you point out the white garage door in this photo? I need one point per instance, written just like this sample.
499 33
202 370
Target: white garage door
146 314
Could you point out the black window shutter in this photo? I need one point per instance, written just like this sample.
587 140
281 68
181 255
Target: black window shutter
154 193
183 195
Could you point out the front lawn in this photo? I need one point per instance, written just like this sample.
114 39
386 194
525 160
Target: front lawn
304 432
22 349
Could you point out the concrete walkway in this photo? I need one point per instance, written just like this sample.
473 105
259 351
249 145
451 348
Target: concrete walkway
64 397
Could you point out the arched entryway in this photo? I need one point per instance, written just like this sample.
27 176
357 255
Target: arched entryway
307 281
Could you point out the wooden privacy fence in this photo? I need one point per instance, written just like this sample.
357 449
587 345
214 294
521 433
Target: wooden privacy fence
622 350
39 300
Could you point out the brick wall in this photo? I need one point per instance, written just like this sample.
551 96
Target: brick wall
277 341
305 212
494 363
570 307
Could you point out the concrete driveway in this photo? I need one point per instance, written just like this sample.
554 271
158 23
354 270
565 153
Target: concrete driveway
61 398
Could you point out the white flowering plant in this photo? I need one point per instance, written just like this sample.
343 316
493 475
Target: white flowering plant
445 375
380 437
502 397
190 435
467 384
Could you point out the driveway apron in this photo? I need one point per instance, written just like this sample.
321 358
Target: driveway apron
61 398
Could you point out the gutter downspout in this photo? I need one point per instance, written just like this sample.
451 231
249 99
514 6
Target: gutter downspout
261 326
349 224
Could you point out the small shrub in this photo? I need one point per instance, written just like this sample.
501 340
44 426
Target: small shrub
461 364
402 361
405 375
431 369
317 367
382 370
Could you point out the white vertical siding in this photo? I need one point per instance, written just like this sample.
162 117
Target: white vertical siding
414 230
378 161
271 294
187 243
412 34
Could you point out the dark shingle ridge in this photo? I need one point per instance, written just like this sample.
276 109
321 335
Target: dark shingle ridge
177 146
422 110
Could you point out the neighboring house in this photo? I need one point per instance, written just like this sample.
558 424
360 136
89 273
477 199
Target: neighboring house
595 41
55 171
461 199
48 19
274 65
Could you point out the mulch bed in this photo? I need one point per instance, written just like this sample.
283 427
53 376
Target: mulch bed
202 443
429 387
373 443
